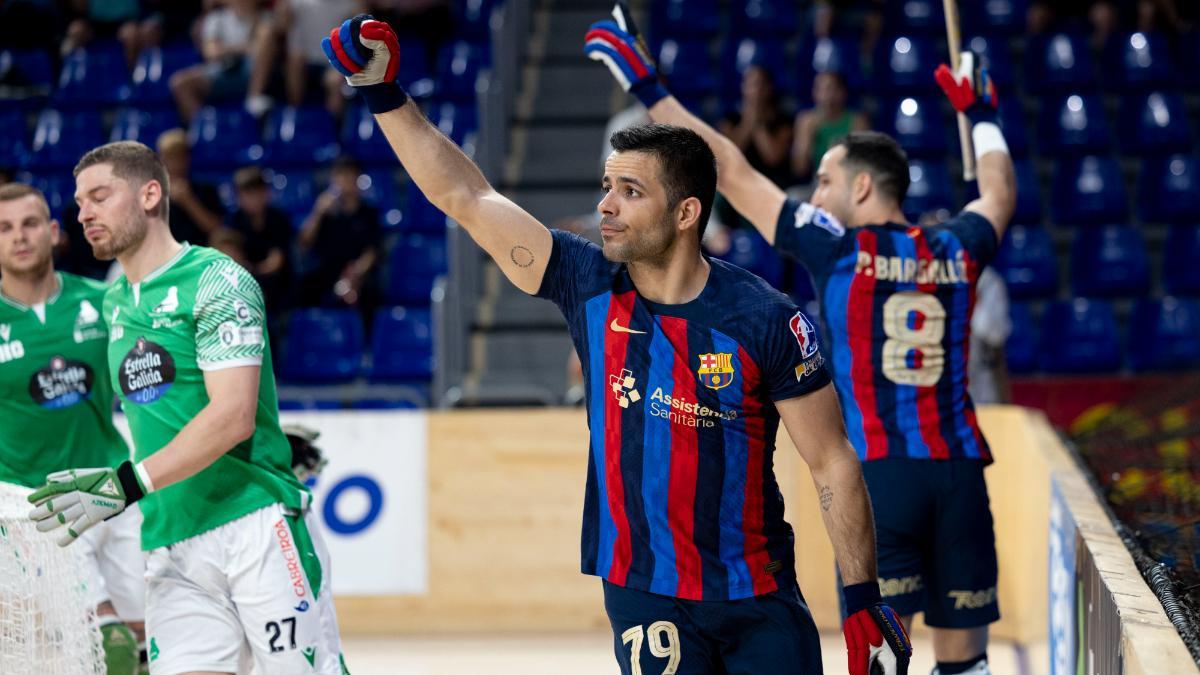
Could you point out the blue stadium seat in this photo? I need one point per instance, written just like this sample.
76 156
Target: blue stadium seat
684 19
1165 334
363 140
413 263
740 54
1058 62
323 346
687 65
1089 190
994 17
918 125
379 188
151 81
928 189
459 64
144 126
1080 336
415 73
224 138
472 19
1109 260
1181 274
458 122
1029 192
833 55
764 17
61 138
14 151
751 252
997 58
420 399
299 137
1139 62
905 64
1012 122
297 405
920 16
1169 189
1154 123
92 76
1027 262
1073 125
59 189
294 192
27 67
420 215
1021 349
401 345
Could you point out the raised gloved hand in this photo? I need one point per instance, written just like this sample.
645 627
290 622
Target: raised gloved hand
367 53
876 642
618 45
82 498
970 89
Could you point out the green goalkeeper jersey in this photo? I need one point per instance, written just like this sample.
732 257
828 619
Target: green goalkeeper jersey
200 311
55 397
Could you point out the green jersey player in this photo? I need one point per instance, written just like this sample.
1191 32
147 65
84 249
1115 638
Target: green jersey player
233 554
56 404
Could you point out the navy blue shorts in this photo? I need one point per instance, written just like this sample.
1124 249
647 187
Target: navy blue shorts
771 633
933 530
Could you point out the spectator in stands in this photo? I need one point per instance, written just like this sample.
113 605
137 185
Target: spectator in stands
987 371
93 19
759 127
266 234
298 27
226 37
195 208
1103 16
342 238
232 244
856 17
818 127
165 21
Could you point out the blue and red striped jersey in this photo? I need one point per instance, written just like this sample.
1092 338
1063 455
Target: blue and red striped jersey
681 494
896 302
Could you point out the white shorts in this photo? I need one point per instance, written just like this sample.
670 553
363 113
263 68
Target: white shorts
114 566
241 594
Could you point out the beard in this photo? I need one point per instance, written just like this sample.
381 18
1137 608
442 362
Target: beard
650 247
121 239
34 269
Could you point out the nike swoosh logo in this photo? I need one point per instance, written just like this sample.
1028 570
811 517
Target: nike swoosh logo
618 328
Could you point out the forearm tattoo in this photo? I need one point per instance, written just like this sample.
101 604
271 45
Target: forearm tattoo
521 256
826 496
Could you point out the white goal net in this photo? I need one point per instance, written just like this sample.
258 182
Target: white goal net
46 623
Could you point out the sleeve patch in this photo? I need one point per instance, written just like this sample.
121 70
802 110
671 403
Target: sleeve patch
807 213
806 334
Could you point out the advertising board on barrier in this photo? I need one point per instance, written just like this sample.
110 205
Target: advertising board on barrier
371 498
1063 620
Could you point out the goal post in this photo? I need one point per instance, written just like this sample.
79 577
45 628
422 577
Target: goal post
47 625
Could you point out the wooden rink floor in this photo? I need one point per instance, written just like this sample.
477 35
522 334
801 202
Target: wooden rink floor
591 654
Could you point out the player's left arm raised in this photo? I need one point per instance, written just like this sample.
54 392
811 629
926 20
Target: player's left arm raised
230 345
972 92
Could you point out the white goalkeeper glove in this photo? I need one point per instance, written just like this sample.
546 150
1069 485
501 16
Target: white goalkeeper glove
82 498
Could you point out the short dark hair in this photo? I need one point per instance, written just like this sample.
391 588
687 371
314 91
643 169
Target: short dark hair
345 163
881 156
13 191
249 177
689 168
131 161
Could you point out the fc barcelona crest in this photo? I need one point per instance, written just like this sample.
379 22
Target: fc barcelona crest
716 370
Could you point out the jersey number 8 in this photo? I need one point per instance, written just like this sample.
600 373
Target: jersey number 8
915 323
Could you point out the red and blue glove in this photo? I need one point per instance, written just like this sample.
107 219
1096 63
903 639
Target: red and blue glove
876 642
618 45
970 90
367 53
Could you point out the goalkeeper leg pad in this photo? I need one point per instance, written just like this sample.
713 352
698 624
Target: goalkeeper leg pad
121 653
